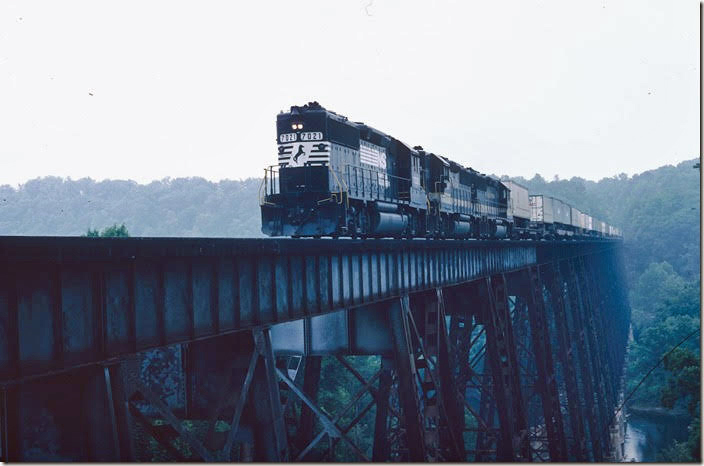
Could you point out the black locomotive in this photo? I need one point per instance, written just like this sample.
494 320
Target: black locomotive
338 178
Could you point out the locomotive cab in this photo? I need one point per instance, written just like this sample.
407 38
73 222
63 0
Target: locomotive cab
340 178
302 195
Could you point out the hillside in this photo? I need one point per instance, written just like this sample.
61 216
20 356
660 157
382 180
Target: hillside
170 207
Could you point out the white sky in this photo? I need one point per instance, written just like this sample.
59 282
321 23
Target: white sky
585 88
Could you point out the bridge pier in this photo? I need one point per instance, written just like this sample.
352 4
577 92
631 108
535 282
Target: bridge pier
567 359
604 394
501 352
578 334
546 378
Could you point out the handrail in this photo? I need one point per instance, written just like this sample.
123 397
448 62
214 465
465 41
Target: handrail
340 185
264 184
366 185
262 199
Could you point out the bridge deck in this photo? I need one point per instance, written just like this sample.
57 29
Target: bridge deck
69 301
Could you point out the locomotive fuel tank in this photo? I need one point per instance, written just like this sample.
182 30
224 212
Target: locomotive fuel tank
386 219
461 228
386 223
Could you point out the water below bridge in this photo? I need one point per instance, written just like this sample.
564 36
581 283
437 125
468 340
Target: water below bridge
649 434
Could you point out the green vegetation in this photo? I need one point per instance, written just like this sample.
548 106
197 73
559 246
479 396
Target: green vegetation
665 310
191 207
109 232
684 385
336 390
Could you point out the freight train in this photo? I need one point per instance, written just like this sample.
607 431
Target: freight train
340 178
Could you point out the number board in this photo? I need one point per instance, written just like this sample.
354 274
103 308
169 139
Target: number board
312 136
288 137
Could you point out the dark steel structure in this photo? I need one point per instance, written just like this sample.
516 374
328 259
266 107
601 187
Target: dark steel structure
487 350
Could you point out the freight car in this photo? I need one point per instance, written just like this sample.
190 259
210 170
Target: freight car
336 178
519 211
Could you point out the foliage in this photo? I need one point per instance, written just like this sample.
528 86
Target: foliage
685 380
660 292
170 207
337 388
665 310
113 231
684 384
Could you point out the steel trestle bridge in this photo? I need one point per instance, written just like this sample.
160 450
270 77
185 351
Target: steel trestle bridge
488 350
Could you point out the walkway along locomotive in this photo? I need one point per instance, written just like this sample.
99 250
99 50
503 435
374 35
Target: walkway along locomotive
338 178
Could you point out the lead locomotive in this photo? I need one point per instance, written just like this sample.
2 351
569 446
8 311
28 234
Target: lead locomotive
341 178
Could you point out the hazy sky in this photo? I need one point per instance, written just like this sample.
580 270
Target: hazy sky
145 90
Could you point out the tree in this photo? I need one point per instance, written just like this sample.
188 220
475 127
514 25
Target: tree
665 310
656 285
113 231
685 381
684 385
